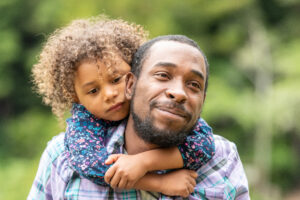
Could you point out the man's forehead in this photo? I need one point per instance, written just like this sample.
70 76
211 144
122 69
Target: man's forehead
171 43
173 51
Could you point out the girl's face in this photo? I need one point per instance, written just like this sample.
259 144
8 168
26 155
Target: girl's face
102 90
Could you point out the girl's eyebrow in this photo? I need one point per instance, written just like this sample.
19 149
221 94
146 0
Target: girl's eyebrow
87 84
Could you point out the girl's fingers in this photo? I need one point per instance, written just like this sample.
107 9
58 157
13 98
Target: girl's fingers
193 174
112 159
122 183
191 188
193 182
109 174
115 180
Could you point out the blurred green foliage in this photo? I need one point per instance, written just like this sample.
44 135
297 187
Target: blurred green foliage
253 96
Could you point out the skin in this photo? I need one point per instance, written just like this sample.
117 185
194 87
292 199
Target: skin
173 72
101 90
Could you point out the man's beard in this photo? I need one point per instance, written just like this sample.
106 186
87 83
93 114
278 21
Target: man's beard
150 134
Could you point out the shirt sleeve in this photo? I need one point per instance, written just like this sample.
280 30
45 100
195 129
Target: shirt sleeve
199 147
85 141
39 187
42 187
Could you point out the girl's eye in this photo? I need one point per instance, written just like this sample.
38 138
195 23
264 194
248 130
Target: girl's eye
93 91
116 80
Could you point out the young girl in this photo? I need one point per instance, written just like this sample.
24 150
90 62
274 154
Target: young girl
82 67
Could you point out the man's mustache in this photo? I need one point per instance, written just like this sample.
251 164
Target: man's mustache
171 105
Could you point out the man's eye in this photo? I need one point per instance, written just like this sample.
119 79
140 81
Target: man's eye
116 80
195 85
93 91
162 76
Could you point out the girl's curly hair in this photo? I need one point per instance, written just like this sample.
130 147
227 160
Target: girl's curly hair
93 38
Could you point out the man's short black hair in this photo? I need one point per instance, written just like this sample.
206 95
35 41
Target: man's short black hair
143 52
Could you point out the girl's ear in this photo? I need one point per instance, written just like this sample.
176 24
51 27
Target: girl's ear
130 81
75 98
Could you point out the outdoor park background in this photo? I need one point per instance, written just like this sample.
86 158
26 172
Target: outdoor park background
253 95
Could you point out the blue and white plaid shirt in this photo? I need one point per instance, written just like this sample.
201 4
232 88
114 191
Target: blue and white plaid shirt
223 177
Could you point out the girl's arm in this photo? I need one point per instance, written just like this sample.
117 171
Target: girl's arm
164 183
197 150
199 147
84 140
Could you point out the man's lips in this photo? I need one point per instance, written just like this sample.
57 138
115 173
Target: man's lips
115 107
173 111
172 108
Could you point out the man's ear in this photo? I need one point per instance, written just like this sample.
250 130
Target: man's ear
130 81
204 97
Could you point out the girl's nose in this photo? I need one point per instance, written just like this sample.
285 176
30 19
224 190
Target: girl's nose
109 93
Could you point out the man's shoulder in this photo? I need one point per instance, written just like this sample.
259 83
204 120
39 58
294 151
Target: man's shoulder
224 147
223 176
226 158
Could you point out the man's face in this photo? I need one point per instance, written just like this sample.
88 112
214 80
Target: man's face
169 93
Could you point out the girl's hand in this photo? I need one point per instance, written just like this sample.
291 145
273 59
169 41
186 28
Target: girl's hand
125 172
178 183
112 159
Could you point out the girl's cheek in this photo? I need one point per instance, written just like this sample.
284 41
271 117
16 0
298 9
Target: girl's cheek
122 87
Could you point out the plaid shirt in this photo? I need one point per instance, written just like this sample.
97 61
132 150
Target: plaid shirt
223 177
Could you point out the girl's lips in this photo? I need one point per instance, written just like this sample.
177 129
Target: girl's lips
115 107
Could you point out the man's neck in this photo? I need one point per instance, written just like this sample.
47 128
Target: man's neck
133 143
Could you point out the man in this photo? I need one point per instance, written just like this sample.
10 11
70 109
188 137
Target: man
168 92
167 89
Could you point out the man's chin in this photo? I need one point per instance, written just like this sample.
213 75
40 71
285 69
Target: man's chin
155 132
170 126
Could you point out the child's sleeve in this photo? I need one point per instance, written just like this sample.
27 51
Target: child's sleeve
199 147
85 139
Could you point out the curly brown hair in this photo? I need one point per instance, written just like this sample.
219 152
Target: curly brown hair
94 38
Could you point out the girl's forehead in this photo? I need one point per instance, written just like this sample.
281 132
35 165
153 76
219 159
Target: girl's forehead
111 66
108 65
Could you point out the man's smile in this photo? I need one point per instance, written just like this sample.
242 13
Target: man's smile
171 110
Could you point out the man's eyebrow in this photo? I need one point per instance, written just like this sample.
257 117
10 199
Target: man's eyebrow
197 73
165 64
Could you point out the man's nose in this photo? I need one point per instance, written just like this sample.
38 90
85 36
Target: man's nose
177 93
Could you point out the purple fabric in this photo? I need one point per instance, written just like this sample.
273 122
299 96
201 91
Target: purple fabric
223 177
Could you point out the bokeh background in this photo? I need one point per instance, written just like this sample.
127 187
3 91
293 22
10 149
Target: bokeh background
253 96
